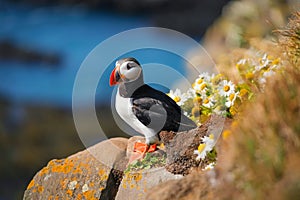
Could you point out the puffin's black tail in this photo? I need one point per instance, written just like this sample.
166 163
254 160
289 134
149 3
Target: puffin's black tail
186 124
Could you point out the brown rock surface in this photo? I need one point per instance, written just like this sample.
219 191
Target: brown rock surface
180 147
135 185
98 172
85 175
194 186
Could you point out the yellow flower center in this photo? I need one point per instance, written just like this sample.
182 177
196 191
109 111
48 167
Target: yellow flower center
201 147
276 61
203 86
232 110
206 101
200 80
243 92
177 98
226 88
197 100
231 96
193 85
249 75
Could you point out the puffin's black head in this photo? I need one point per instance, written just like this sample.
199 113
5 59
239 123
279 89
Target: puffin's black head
126 70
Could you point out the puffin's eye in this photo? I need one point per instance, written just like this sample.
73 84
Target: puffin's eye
128 66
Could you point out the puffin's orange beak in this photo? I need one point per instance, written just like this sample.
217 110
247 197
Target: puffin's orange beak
114 77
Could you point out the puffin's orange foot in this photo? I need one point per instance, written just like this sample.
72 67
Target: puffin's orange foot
140 149
143 147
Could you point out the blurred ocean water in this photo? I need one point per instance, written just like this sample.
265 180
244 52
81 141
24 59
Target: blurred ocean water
71 32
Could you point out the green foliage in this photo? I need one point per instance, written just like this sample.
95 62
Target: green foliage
149 161
212 156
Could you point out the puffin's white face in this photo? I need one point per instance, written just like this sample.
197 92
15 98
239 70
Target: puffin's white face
129 71
125 71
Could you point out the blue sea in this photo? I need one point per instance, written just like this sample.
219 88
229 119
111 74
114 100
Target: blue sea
71 32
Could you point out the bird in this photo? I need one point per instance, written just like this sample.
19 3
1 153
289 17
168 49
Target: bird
145 109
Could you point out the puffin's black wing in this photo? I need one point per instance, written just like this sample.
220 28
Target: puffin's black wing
157 110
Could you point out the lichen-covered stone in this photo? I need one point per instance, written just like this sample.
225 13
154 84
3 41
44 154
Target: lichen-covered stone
84 175
195 186
180 146
135 185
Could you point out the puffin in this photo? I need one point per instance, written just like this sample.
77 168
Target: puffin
145 109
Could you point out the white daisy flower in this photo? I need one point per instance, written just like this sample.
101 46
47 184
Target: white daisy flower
208 102
205 147
200 88
231 99
191 93
205 76
264 62
268 73
226 88
210 166
242 61
201 83
178 97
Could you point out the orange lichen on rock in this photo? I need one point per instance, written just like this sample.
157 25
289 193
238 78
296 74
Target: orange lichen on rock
79 196
131 179
69 192
31 184
89 194
44 171
80 176
63 183
40 188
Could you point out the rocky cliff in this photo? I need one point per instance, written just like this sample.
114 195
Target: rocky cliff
101 171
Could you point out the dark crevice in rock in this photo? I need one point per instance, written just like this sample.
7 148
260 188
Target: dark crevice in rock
114 180
110 192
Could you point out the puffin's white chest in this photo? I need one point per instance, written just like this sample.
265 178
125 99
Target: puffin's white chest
124 109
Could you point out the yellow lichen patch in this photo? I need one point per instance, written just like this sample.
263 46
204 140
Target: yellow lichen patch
104 177
79 197
50 197
78 170
89 194
57 168
61 166
69 192
31 184
40 188
101 188
44 171
91 184
55 162
131 180
63 183
101 172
